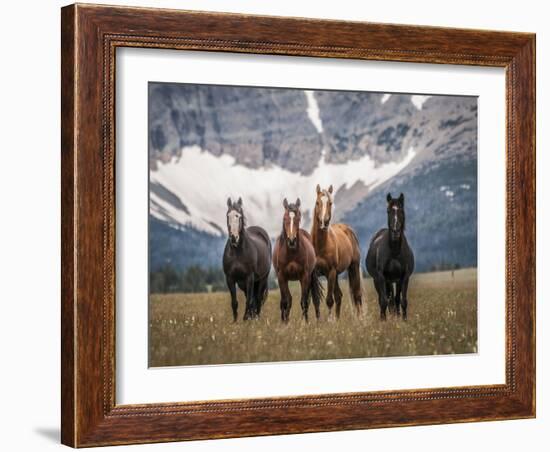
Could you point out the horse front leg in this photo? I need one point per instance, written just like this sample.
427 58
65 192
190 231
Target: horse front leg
286 297
337 297
233 291
404 296
250 307
397 298
380 285
304 302
331 280
315 290
390 296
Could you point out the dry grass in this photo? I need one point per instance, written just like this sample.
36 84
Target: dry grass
191 329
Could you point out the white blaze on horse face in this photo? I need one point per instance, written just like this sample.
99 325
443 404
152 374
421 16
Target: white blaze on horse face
234 218
395 219
291 215
324 202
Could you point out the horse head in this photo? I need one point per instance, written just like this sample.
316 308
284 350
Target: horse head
323 207
396 216
235 221
291 222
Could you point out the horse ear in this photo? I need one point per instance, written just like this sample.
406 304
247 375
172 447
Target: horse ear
229 203
285 203
401 199
240 201
298 203
318 189
330 189
388 198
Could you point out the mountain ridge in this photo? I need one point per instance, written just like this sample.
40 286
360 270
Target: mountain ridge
266 144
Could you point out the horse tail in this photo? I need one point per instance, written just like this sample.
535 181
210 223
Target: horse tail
316 289
355 289
355 268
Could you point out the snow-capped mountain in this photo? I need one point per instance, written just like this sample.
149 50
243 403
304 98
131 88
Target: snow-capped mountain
208 143
196 185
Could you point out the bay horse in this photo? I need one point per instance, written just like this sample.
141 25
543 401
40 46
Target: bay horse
294 260
390 260
246 261
337 250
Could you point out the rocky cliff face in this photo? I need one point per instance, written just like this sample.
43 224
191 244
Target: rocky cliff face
387 126
441 209
440 129
356 124
258 127
264 126
440 183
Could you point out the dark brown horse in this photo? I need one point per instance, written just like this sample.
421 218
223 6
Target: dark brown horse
294 260
246 261
337 250
390 260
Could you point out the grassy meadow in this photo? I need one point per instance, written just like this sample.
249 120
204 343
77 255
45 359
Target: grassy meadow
193 329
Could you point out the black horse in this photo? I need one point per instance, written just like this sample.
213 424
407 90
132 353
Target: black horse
390 260
246 261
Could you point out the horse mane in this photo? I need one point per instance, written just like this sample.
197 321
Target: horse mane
376 236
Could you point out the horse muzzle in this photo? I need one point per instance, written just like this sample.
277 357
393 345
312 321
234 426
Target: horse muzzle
234 240
292 243
395 234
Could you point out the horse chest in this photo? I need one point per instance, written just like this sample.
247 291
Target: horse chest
238 269
393 269
293 270
322 265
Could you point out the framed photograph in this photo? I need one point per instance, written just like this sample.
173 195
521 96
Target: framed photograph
281 225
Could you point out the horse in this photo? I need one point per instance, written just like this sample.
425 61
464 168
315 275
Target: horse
246 261
390 260
294 260
337 250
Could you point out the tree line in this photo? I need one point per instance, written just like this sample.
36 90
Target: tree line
197 279
192 279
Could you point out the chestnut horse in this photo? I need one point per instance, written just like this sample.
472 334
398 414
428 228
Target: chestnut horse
294 260
337 250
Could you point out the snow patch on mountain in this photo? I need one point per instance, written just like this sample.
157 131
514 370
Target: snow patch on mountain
313 110
203 182
418 101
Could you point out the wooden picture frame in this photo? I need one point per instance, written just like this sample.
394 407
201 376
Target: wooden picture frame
90 35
